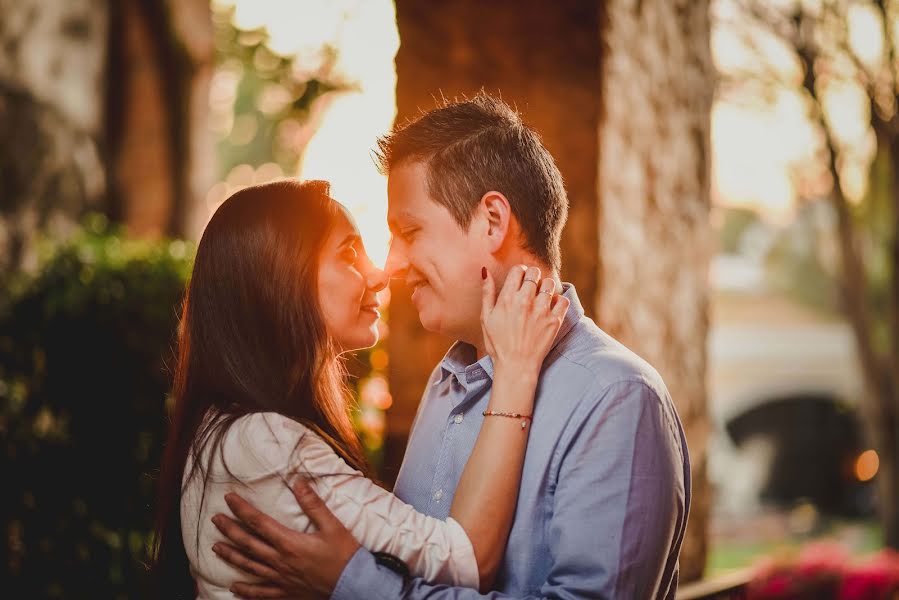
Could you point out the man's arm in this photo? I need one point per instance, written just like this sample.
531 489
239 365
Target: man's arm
620 510
620 506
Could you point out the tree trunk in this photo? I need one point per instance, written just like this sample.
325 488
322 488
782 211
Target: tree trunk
102 107
886 426
159 146
544 58
654 227
650 155
51 95
880 405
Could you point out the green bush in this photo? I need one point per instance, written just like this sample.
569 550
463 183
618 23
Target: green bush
84 347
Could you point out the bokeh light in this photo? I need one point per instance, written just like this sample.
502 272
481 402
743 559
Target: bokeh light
866 465
361 39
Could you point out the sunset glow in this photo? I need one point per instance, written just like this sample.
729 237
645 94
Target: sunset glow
364 37
761 151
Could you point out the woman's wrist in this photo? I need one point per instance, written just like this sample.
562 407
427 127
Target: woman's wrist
525 372
515 383
513 391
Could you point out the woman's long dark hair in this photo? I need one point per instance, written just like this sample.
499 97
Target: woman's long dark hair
251 339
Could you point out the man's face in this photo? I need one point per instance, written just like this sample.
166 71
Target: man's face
440 262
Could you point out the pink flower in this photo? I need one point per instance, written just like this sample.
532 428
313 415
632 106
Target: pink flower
875 579
823 558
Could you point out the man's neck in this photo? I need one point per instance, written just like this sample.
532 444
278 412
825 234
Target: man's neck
477 342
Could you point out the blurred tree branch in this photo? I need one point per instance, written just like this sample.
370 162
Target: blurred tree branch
819 36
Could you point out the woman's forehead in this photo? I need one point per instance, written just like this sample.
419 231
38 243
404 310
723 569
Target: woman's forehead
344 222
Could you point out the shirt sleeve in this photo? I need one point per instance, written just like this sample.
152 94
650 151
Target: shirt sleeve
619 509
435 550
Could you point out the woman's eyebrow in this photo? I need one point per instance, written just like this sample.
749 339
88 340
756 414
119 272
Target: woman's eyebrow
350 240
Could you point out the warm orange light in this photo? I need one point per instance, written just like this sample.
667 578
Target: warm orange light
866 465
374 393
384 402
757 143
379 359
364 38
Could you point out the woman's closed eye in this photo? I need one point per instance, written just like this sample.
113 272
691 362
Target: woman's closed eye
349 255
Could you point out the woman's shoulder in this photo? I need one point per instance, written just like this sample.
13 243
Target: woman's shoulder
264 442
274 423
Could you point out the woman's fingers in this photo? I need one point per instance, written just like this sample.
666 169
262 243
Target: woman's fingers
545 294
513 282
525 317
530 285
560 307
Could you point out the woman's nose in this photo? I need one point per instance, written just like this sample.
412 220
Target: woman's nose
376 279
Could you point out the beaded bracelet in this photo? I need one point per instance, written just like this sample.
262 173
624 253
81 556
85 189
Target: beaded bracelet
511 415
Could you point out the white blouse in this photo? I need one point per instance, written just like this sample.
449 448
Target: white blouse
265 452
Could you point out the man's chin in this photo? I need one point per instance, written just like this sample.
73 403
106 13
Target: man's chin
430 321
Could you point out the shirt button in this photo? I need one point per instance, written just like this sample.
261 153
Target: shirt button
438 495
457 419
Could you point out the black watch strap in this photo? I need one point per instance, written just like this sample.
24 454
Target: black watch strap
393 563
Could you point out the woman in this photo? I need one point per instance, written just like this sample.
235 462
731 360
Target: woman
281 287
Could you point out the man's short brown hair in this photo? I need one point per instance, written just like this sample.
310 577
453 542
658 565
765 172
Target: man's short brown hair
477 145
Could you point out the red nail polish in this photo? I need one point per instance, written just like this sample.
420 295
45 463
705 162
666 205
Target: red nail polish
483 272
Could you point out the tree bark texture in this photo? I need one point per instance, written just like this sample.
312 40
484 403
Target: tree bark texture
621 93
52 69
543 58
654 237
102 108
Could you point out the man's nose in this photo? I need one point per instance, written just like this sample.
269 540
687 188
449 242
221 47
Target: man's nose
396 264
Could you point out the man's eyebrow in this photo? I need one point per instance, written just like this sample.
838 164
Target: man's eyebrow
393 223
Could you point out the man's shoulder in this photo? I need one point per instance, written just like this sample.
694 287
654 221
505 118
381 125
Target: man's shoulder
589 352
614 378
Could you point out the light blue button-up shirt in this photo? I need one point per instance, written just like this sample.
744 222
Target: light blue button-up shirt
605 489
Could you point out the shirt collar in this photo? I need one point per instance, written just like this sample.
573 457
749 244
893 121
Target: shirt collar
457 360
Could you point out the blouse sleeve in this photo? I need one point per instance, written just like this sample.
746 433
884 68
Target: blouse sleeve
438 551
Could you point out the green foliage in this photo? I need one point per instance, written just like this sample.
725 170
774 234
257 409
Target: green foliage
805 259
83 382
265 99
802 260
85 344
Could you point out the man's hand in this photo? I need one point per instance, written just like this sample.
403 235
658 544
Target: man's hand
291 563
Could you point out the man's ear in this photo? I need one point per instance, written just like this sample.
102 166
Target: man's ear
497 215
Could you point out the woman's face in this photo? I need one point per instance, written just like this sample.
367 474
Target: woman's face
348 286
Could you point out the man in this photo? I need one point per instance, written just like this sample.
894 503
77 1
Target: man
605 489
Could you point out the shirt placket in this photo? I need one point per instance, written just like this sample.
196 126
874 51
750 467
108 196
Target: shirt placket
442 488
